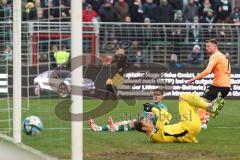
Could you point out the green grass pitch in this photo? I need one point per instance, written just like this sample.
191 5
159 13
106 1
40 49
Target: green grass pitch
220 141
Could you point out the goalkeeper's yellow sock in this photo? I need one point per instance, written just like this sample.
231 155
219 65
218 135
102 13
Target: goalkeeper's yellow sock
194 100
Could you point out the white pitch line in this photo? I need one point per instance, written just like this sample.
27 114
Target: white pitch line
56 128
63 128
9 129
228 127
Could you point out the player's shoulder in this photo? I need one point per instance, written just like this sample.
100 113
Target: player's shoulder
220 54
217 55
161 105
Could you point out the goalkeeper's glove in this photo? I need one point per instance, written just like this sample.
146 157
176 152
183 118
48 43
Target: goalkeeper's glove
147 107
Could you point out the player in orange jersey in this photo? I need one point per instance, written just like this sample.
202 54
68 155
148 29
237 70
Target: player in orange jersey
220 65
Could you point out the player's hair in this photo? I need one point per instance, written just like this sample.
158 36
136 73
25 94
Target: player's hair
212 41
158 90
120 47
138 126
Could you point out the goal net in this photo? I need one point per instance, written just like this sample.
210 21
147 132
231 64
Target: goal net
40 40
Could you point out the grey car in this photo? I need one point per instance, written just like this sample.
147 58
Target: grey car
59 81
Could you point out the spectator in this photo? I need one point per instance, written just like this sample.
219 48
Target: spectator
107 12
5 11
214 5
62 57
125 30
8 54
45 16
209 30
224 11
30 12
223 33
39 10
198 3
185 2
147 32
89 14
196 57
96 4
174 62
51 13
84 4
5 16
235 28
127 19
122 9
173 58
121 61
54 49
136 11
56 3
190 11
129 2
137 58
149 35
176 4
165 12
135 52
179 33
195 31
227 54
210 17
150 10
204 9
235 17
65 12
66 2
178 18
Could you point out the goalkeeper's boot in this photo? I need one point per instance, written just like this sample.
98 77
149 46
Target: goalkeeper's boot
93 125
217 105
112 127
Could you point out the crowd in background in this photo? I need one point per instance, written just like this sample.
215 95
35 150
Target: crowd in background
40 10
159 11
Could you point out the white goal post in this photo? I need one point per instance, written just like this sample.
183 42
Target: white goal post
17 82
77 105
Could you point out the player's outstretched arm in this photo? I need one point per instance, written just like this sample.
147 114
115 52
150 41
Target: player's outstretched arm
208 70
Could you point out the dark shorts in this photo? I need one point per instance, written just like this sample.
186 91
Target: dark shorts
212 92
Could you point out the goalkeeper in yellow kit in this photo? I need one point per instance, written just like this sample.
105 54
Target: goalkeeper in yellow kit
189 126
127 125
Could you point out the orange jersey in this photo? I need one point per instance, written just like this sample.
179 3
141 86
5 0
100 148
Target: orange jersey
220 65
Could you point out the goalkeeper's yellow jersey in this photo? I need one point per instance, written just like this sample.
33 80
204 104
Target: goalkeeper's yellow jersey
179 132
